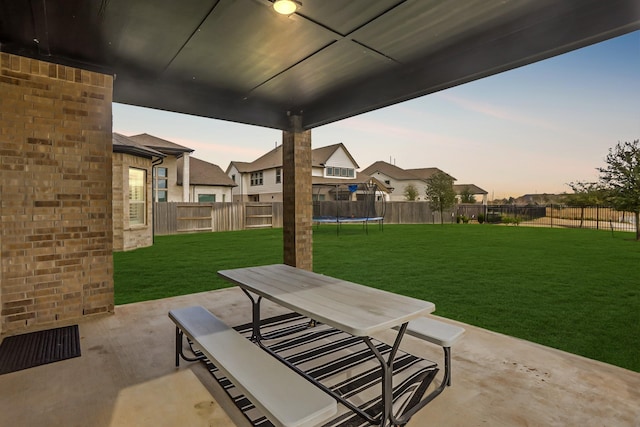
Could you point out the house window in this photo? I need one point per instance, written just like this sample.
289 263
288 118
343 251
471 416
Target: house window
160 184
206 198
233 177
256 178
278 175
137 196
341 172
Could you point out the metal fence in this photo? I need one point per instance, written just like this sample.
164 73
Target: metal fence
594 217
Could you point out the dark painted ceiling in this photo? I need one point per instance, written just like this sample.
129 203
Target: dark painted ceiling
239 60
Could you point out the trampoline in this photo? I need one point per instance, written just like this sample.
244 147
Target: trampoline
348 203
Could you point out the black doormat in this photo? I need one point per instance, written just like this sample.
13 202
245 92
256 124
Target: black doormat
39 348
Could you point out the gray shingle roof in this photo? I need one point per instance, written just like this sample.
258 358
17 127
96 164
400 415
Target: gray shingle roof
160 144
203 173
390 170
273 159
123 144
321 155
473 189
400 174
426 173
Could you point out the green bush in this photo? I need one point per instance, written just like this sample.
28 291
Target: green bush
515 220
480 218
462 218
494 218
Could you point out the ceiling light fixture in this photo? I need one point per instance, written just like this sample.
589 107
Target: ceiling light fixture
286 7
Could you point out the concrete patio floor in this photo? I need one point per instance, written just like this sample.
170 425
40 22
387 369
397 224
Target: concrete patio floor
126 377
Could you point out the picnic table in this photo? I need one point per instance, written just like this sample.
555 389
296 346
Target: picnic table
350 307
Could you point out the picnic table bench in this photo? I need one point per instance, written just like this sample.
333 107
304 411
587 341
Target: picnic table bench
439 333
285 398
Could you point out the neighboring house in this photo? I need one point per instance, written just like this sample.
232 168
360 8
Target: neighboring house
473 189
261 180
165 179
132 166
207 182
183 178
398 179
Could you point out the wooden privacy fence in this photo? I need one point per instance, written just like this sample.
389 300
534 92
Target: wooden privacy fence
174 218
421 213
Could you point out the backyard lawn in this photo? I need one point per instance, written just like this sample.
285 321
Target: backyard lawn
576 290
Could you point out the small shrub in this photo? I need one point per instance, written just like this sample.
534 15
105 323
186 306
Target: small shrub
462 218
480 218
494 218
515 220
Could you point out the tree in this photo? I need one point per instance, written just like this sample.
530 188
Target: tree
585 194
410 192
621 178
466 196
440 193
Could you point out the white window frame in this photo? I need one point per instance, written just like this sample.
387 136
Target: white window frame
156 187
137 196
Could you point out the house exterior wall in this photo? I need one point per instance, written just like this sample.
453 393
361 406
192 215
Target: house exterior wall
56 260
125 236
269 191
340 159
243 180
174 191
222 194
399 185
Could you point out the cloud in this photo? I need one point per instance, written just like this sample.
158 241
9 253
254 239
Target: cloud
496 112
391 134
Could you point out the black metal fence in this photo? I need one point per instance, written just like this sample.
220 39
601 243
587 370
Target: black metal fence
595 217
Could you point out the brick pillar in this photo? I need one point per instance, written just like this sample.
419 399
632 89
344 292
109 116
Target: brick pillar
56 233
296 188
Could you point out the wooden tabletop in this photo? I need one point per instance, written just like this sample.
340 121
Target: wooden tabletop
350 307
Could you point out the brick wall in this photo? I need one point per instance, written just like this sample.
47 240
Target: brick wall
296 189
55 189
126 237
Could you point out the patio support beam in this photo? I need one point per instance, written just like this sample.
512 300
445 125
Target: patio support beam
298 207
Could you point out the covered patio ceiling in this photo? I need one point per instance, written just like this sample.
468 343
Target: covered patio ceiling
239 60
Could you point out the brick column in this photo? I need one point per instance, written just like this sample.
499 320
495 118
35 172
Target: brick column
56 260
296 188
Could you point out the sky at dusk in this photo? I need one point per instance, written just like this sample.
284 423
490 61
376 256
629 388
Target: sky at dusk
529 130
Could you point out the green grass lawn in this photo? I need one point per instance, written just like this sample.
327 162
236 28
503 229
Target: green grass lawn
576 290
